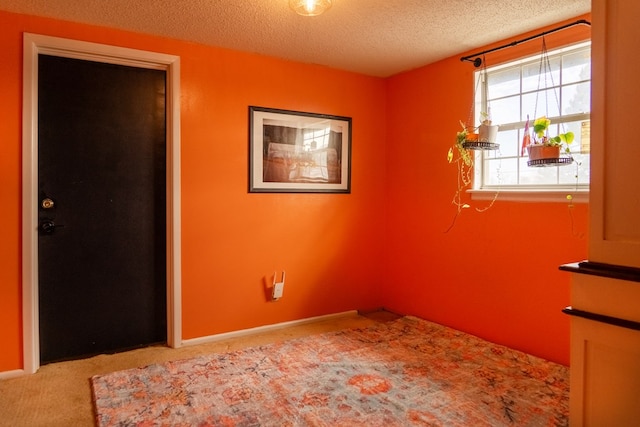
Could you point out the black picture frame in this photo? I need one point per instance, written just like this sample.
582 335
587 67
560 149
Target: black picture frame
298 152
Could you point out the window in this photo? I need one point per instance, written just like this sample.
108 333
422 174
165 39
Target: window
315 139
561 90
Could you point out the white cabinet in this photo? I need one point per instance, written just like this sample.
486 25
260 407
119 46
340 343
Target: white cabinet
605 292
605 373
605 349
614 202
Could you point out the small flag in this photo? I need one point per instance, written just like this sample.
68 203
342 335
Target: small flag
526 139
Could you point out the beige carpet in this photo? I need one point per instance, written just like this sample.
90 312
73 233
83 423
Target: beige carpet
59 394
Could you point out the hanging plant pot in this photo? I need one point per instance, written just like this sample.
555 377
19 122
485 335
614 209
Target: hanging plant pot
487 133
484 139
471 137
539 152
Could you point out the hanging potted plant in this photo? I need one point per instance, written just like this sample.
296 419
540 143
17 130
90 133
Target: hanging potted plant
486 131
466 143
462 137
543 147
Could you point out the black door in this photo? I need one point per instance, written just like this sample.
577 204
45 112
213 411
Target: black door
102 210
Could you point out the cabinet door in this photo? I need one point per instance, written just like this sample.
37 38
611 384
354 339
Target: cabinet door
605 367
615 176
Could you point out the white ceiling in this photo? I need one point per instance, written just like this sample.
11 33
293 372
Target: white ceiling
373 37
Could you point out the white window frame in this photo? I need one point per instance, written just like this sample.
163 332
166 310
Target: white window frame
530 193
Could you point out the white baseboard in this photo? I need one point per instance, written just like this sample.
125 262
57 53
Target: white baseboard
266 328
5 375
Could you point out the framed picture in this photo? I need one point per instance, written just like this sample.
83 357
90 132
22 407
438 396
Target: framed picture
297 152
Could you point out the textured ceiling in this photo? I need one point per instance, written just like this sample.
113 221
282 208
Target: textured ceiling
373 37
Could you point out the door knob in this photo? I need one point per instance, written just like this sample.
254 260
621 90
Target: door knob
48 226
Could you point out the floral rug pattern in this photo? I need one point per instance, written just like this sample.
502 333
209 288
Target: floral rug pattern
409 372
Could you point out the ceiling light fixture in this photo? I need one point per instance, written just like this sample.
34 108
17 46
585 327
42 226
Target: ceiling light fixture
310 7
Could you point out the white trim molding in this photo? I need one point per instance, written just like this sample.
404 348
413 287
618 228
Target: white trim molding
266 328
34 45
534 195
5 375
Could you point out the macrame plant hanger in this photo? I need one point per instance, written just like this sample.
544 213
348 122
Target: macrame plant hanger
483 139
541 124
543 70
468 140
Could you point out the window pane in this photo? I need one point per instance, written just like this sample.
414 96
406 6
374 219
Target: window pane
576 98
504 83
541 75
584 168
505 110
508 141
537 175
576 67
543 103
576 173
576 128
501 172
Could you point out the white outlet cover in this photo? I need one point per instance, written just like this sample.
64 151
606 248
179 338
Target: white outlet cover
278 290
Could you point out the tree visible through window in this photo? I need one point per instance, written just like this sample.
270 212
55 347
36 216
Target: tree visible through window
523 89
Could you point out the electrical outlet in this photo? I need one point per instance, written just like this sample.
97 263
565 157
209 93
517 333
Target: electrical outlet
278 287
278 290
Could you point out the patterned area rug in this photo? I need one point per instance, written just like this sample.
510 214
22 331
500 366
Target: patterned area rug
402 373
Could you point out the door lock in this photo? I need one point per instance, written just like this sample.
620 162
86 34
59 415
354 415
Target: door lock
47 203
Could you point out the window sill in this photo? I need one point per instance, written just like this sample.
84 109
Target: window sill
520 195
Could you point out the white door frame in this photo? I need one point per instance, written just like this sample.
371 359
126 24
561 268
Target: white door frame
34 45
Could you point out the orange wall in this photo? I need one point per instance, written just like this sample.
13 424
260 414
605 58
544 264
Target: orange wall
495 274
232 242
334 247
